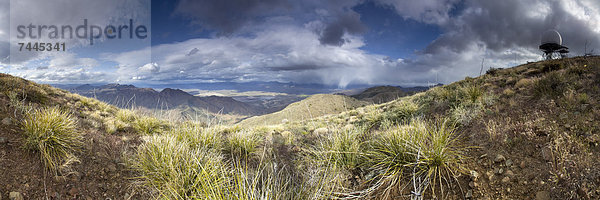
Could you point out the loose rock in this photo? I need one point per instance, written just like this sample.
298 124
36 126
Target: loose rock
490 175
499 158
3 140
499 171
547 153
542 195
15 196
474 175
505 179
6 121
73 191
509 162
510 173
582 192
112 167
522 165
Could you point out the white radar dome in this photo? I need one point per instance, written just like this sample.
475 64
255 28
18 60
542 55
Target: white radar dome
551 37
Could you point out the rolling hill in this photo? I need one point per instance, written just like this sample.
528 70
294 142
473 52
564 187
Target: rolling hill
311 107
380 94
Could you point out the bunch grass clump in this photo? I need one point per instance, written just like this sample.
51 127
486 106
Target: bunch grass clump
51 132
198 136
343 149
242 144
423 150
178 171
127 116
148 125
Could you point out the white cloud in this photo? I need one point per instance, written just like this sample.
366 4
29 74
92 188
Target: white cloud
278 53
78 75
70 60
285 49
150 68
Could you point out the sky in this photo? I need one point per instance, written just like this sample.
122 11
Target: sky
331 42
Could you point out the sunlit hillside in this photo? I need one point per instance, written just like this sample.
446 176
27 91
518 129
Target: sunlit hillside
527 132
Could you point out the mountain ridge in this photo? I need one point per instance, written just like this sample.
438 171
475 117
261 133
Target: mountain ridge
130 96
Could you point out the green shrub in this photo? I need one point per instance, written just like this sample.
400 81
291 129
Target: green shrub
51 132
552 85
551 66
492 71
572 100
465 113
442 155
19 105
472 93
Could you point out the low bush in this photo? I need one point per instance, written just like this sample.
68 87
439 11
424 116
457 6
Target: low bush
552 85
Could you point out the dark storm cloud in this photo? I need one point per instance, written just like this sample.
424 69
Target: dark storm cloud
229 16
511 24
347 23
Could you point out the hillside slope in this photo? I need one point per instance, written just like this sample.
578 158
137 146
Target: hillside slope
98 172
380 94
527 132
311 107
532 131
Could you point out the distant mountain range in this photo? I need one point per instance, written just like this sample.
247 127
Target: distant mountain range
279 87
128 95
